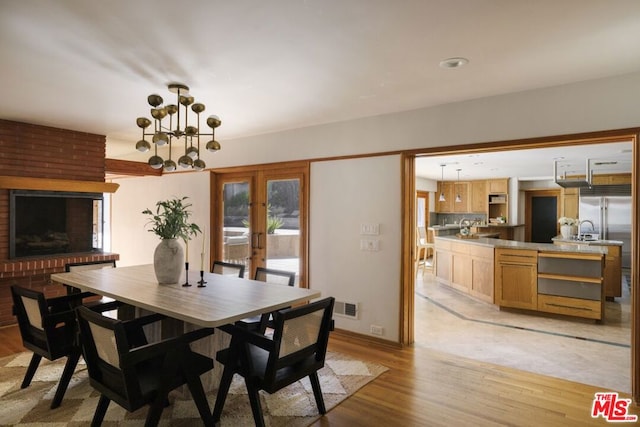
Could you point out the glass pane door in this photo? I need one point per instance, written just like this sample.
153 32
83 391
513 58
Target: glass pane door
282 216
236 226
259 219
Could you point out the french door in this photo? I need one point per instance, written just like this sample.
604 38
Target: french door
259 219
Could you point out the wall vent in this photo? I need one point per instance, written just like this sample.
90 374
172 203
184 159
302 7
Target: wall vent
346 309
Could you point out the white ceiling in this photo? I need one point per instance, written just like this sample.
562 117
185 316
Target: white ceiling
266 66
531 164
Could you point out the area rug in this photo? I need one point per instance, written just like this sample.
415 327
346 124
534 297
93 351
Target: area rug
293 406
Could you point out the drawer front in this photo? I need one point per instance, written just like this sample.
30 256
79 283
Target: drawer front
570 306
516 256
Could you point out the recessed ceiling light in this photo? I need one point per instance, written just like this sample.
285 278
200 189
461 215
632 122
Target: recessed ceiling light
455 62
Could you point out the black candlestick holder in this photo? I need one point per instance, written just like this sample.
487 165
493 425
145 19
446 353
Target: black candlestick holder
201 282
186 274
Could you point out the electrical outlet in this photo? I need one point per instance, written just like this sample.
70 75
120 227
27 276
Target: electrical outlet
372 245
376 330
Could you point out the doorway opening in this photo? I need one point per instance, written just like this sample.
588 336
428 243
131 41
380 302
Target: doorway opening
543 333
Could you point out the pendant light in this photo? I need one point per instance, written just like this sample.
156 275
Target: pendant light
458 198
441 198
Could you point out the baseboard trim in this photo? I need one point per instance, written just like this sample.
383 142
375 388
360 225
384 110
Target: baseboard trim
364 339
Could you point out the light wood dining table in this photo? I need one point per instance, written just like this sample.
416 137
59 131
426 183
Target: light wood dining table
223 300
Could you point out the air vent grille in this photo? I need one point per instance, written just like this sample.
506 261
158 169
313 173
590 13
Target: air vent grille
346 309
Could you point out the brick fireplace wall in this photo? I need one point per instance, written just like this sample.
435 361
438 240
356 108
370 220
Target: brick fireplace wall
34 151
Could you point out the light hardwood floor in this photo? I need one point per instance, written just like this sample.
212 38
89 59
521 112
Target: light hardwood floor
424 387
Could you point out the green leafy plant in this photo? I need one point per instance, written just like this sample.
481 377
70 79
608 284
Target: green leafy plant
171 219
273 222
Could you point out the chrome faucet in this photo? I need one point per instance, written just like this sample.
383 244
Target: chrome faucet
580 226
464 221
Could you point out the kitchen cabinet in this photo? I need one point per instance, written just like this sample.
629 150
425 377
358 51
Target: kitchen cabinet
498 197
611 179
498 186
516 278
505 232
613 272
498 206
571 284
465 267
446 188
570 202
443 260
478 196
461 189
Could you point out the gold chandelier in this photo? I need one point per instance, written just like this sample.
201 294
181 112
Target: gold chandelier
165 135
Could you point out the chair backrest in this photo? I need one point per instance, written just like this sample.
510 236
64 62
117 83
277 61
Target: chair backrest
47 327
279 277
300 333
30 309
91 265
227 268
421 234
104 341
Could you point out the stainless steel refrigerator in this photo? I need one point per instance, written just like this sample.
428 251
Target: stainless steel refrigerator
609 208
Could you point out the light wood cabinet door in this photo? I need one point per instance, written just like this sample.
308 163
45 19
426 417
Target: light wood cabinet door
445 188
478 197
498 186
570 203
613 272
611 179
461 189
516 278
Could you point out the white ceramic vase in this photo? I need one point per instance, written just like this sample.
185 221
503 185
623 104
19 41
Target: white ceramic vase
168 261
566 231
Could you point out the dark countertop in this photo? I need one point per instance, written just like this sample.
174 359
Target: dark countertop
513 244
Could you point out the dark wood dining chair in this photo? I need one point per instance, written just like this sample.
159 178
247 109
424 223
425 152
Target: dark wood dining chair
227 268
297 350
48 328
133 375
268 275
271 275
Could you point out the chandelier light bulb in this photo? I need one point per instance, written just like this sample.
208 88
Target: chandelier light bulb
185 161
213 146
143 146
192 152
199 164
156 162
169 165
160 139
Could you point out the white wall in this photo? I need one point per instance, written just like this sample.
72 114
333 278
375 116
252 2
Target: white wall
130 237
587 106
344 195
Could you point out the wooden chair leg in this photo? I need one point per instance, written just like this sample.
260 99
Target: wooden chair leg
223 390
67 373
31 370
256 407
200 398
155 410
317 392
101 410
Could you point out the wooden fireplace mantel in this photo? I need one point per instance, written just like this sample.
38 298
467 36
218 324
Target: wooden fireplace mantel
45 184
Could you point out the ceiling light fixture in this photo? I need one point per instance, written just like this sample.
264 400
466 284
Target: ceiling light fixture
441 198
165 135
455 62
458 198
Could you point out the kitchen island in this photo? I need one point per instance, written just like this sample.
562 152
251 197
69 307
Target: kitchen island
562 279
612 263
